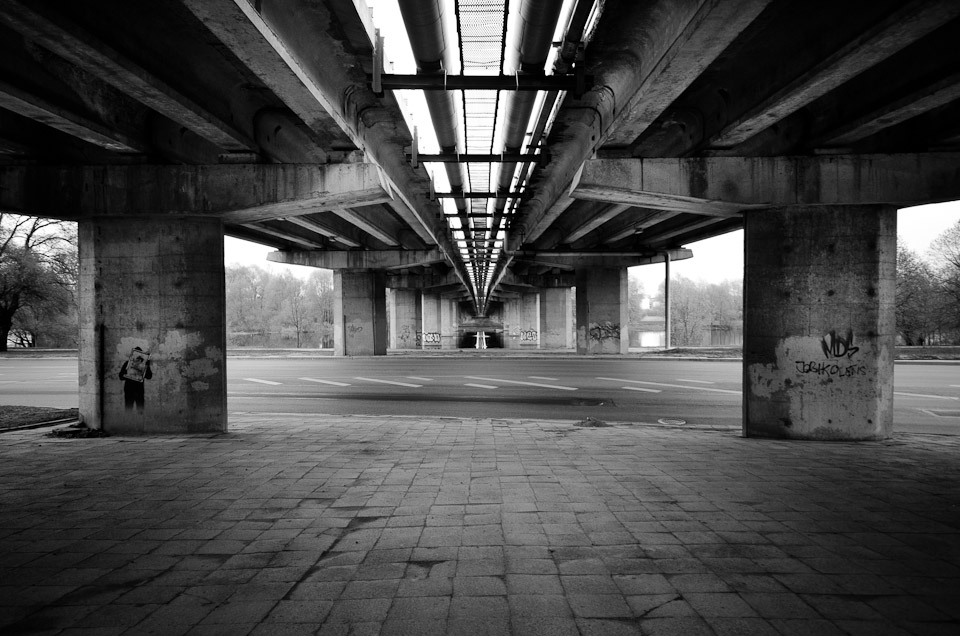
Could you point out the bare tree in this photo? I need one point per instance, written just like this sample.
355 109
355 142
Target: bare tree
38 273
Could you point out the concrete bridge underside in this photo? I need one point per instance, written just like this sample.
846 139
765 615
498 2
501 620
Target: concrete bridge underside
161 127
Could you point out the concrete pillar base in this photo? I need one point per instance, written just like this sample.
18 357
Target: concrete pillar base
556 312
602 320
359 313
406 314
819 322
153 310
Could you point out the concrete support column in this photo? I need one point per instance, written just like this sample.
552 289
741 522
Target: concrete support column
819 322
556 312
152 309
439 322
522 322
406 315
602 307
359 313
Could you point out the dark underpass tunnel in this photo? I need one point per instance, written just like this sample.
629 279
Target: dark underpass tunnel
481 340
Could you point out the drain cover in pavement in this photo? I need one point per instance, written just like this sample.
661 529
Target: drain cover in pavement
671 422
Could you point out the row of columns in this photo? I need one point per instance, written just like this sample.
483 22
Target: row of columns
818 344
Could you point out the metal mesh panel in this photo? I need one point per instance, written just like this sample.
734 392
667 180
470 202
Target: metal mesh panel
481 25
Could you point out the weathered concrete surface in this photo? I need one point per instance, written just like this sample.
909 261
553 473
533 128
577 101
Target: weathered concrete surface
819 322
235 193
440 321
556 318
359 313
602 311
381 259
521 322
721 186
157 284
406 318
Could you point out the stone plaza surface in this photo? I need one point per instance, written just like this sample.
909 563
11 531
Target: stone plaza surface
393 525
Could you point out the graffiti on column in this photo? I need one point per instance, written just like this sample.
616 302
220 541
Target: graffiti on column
835 346
419 338
134 371
529 336
835 349
431 337
605 331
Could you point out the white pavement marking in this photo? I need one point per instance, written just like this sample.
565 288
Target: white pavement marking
325 381
545 386
924 395
480 386
271 383
419 379
541 377
638 388
412 386
9 381
695 381
673 386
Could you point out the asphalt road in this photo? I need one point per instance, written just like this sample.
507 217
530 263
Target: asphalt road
707 393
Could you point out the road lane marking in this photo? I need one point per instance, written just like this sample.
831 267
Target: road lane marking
419 379
673 386
639 388
924 395
520 382
407 384
324 381
480 386
270 382
695 381
541 377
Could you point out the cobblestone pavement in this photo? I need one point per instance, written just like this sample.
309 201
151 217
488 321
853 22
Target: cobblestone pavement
392 525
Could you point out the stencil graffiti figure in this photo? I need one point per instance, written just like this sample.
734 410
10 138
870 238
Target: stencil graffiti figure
133 372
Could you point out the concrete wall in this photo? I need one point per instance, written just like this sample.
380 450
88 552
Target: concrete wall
819 322
157 284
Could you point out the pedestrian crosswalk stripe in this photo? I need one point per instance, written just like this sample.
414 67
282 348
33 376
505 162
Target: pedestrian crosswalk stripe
418 378
270 382
480 386
640 388
695 381
540 377
319 381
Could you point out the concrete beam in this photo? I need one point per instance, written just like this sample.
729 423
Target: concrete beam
916 103
371 223
718 185
581 260
707 35
383 259
46 112
316 78
892 34
76 45
234 193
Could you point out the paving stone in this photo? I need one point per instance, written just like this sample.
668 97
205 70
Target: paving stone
285 526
